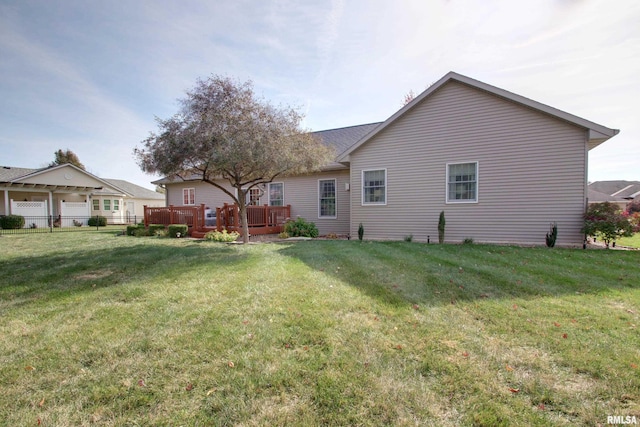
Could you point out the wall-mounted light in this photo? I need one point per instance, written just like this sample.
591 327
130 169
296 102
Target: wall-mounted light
347 186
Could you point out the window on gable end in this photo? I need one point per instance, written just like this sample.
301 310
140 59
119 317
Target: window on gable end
374 187
462 182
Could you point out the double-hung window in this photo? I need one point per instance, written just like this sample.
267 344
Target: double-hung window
107 204
188 196
276 194
116 205
374 187
327 207
96 204
462 182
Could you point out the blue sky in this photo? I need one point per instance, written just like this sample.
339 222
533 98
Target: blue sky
92 75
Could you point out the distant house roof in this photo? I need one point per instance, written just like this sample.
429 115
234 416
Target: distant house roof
11 174
620 190
136 191
597 134
598 197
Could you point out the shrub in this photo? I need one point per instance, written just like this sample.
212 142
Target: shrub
605 220
131 229
177 230
552 235
468 241
97 221
634 220
222 236
11 222
284 235
154 229
301 228
360 232
633 207
141 232
441 224
408 238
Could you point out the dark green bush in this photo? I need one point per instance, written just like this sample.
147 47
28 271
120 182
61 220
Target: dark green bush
153 228
141 232
178 230
301 228
441 224
131 229
552 235
11 222
360 232
97 221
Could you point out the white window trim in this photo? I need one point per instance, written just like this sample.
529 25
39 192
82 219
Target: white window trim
446 184
269 192
386 188
335 186
248 194
194 196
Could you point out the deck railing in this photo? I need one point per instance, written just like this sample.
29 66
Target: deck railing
193 216
261 219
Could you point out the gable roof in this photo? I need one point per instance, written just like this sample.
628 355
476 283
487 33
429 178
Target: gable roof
23 177
9 173
597 196
597 133
135 191
622 190
343 138
13 176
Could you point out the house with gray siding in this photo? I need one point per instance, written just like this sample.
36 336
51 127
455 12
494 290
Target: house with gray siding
501 166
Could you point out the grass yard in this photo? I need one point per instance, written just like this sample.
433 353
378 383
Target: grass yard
632 242
115 331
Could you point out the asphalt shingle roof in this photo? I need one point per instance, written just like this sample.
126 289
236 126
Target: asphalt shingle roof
343 138
8 173
620 189
136 191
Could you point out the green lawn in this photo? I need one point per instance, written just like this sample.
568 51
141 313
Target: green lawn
632 242
104 330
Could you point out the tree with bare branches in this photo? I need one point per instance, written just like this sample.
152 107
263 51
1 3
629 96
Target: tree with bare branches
222 131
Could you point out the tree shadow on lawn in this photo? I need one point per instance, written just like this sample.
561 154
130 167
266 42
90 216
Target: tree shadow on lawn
50 276
398 273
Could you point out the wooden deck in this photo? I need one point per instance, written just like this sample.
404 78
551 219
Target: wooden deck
262 219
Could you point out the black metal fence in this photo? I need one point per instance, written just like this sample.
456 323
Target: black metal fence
55 224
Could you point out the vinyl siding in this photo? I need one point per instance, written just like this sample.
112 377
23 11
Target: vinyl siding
301 192
531 171
206 194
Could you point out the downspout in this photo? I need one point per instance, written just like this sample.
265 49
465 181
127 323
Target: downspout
586 185
6 202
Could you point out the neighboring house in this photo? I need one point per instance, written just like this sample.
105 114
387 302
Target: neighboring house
618 192
501 166
68 191
136 198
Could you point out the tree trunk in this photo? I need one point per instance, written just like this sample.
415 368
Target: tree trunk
242 205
